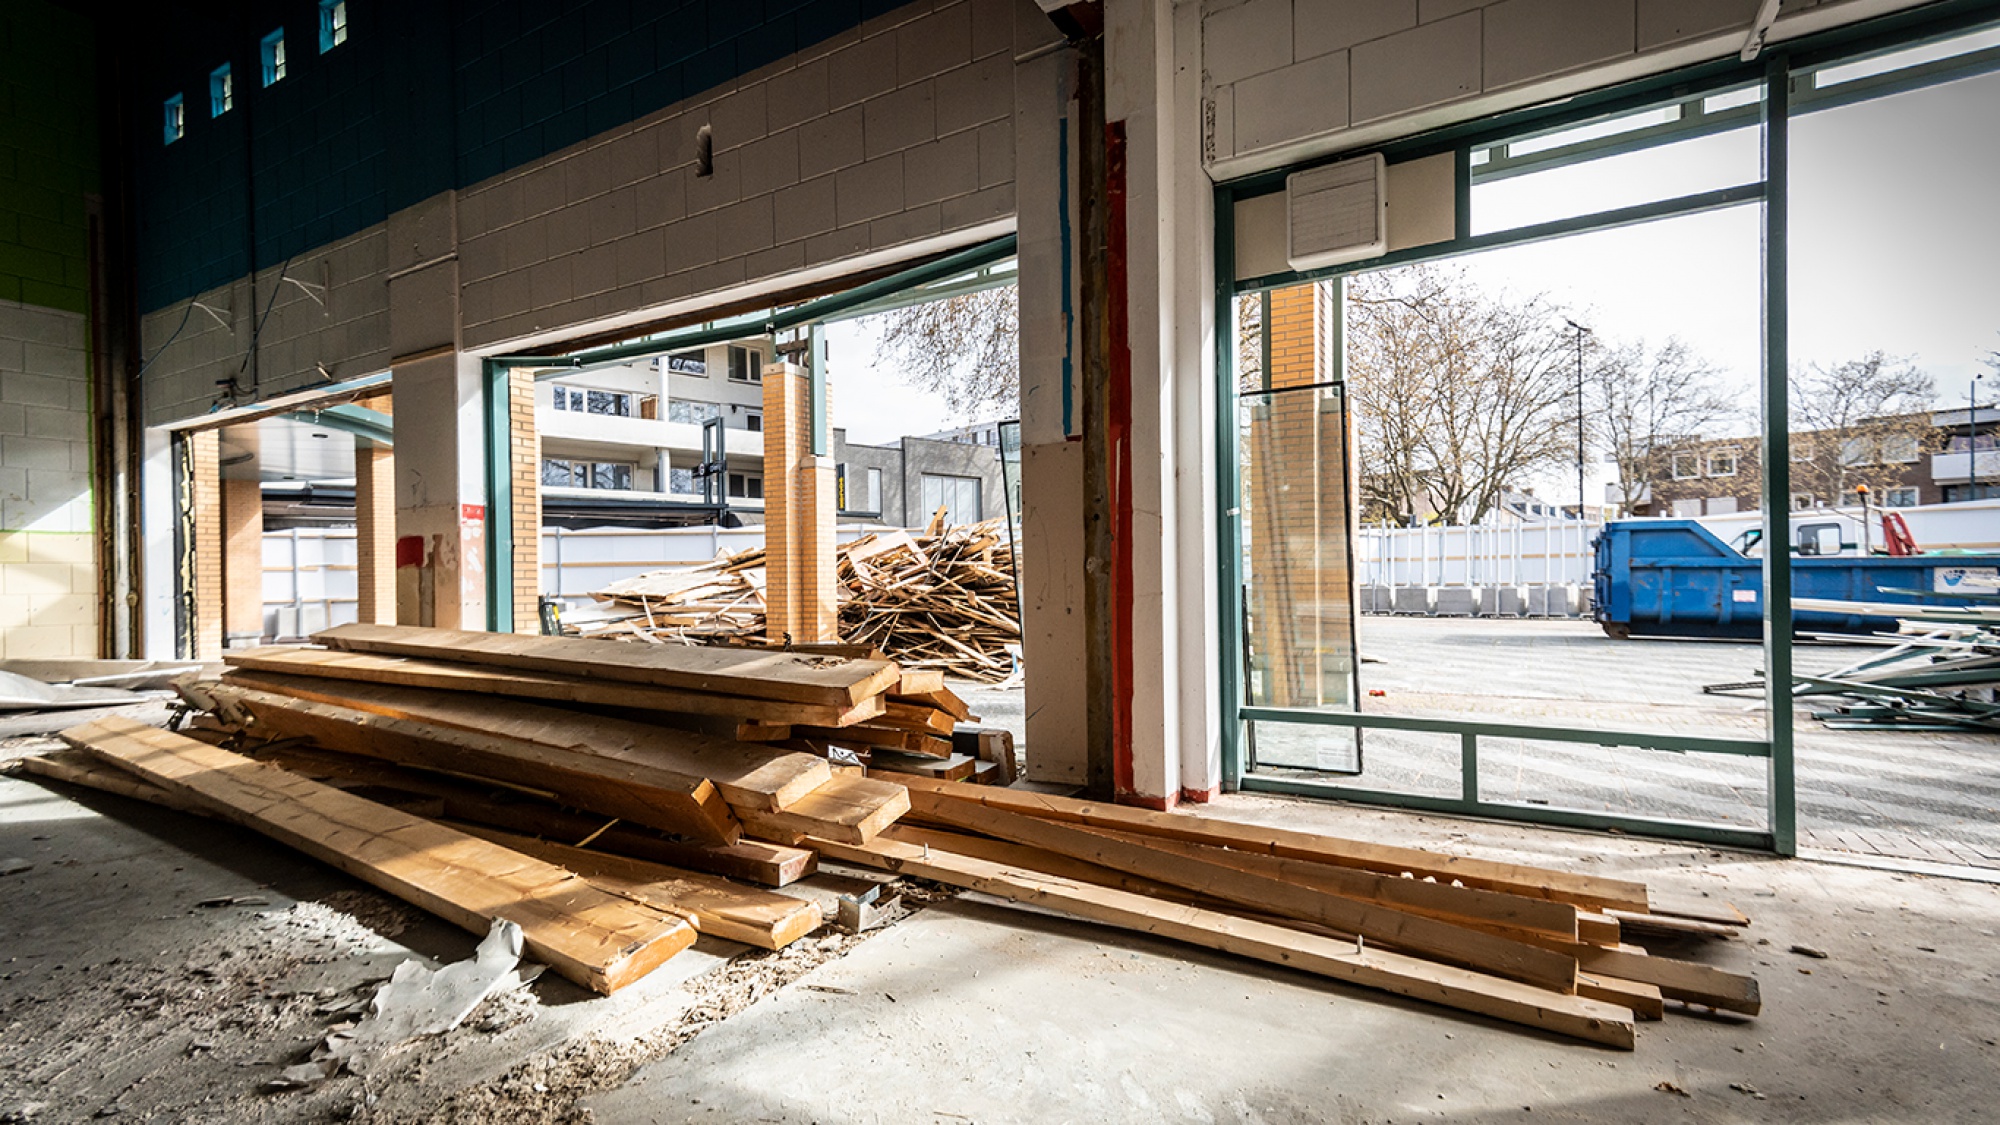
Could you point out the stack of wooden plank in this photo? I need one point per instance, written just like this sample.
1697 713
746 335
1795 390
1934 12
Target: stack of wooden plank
943 599
1528 945
561 773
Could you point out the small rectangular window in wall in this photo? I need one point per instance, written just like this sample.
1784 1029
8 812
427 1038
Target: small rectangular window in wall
221 91
746 486
273 57
745 366
332 24
754 422
958 496
176 119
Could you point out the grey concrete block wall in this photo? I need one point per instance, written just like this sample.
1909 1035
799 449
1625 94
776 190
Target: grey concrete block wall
865 142
48 605
1289 77
894 132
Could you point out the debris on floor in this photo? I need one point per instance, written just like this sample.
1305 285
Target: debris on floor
1940 671
943 599
436 766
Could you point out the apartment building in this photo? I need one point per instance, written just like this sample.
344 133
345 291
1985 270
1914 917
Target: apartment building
672 441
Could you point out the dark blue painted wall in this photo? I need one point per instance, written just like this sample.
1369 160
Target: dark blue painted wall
425 95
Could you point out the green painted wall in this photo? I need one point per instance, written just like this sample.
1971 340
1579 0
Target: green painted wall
48 153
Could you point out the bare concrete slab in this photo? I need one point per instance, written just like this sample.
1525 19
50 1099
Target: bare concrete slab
988 1013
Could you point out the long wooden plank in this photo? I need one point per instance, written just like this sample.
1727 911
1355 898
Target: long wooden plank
830 681
1416 933
747 776
764 919
657 798
1644 999
1439 900
1533 882
1575 1016
600 940
444 676
1687 981
479 802
897 764
850 808
74 768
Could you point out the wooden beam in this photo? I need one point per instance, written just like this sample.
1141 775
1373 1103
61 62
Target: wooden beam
764 919
73 767
850 808
1453 944
753 777
1686 981
1418 896
1575 1016
444 676
829 681
600 940
1533 882
674 802
1644 999
480 802
899 765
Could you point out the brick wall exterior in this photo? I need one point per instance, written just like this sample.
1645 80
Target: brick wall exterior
205 489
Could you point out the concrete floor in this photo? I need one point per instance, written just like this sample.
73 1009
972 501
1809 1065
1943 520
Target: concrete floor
119 992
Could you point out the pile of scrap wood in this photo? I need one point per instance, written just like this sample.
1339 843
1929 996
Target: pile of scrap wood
592 793
588 791
1538 947
941 600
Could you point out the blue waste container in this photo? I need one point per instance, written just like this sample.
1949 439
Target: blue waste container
1674 578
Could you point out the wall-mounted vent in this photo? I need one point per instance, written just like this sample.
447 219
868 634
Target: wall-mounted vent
1336 214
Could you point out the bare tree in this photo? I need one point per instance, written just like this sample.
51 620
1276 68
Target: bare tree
966 349
1458 394
1860 422
1644 404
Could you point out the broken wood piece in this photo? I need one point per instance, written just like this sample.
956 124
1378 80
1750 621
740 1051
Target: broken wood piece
674 802
830 681
920 681
1415 933
1574 1016
1534 882
764 919
446 676
600 940
1671 925
995 746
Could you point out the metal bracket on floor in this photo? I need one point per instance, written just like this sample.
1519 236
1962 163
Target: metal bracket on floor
865 911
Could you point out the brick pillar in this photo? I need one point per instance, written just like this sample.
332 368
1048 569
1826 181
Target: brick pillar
242 562
525 448
204 492
375 532
799 597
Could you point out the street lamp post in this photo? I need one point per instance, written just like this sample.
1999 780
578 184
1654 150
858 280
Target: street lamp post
1972 436
1581 331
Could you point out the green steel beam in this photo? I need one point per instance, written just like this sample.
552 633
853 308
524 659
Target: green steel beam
1740 195
1229 531
1637 740
1781 789
767 323
499 435
1656 828
819 431
348 418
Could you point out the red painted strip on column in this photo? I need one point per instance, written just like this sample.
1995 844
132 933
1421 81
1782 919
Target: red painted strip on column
1119 427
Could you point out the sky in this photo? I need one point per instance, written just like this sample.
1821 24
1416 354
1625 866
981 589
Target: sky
1893 247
